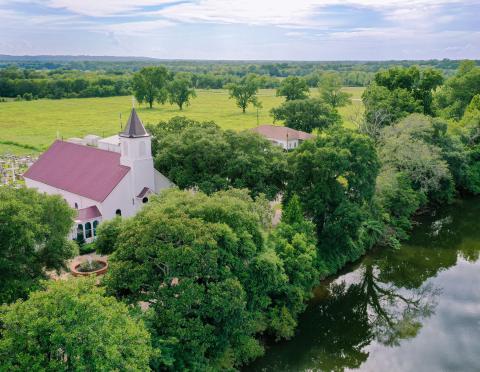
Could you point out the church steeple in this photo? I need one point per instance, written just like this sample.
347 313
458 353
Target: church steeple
134 127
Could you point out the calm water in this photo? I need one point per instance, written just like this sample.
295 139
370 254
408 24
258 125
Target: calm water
412 309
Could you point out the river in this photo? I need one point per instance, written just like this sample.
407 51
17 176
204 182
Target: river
416 308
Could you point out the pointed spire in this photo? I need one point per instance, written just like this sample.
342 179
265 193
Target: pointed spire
134 127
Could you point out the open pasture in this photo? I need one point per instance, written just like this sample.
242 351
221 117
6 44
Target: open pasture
38 123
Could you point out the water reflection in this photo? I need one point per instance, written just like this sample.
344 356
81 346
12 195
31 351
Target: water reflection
380 306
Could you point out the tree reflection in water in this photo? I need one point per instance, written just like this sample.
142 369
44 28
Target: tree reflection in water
356 314
383 300
335 332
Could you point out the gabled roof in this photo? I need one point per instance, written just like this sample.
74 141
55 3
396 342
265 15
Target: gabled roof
281 133
144 192
88 213
134 127
82 170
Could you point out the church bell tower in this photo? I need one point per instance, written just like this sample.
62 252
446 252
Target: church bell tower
136 153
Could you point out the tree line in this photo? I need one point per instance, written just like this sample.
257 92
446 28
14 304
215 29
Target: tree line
32 79
200 277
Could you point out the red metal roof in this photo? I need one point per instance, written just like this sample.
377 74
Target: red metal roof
280 133
88 213
79 169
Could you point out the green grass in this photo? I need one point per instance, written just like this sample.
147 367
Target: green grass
38 123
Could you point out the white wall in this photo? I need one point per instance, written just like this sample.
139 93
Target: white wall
121 198
291 144
71 199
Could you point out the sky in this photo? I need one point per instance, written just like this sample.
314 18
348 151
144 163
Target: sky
243 29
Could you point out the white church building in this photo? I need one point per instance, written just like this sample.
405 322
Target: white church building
108 177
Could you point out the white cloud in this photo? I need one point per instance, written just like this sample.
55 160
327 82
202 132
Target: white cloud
132 28
102 8
298 13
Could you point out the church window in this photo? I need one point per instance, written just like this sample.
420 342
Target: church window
145 200
88 230
76 205
80 232
95 224
118 212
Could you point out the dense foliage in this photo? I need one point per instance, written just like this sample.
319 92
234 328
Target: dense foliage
458 91
211 281
334 177
150 85
201 155
398 92
33 230
307 114
212 273
64 77
293 88
71 326
245 91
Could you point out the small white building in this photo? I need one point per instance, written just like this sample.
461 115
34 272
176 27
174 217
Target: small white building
114 179
285 137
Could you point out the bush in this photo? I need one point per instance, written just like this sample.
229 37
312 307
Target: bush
87 248
107 233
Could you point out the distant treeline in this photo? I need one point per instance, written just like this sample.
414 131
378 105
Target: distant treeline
30 78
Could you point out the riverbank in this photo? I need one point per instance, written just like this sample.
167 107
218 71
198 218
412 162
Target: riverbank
415 308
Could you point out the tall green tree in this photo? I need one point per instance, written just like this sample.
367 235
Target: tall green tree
458 91
202 155
202 265
245 91
293 88
180 90
398 92
307 114
334 177
330 88
150 85
411 147
71 326
33 231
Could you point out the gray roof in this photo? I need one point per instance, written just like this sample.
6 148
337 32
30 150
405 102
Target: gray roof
134 127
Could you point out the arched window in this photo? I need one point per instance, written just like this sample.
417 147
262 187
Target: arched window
142 149
145 200
88 230
76 205
80 232
118 212
95 224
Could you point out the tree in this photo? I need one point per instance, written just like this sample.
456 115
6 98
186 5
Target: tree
70 325
245 91
307 114
107 234
334 177
33 231
400 91
384 107
458 91
204 156
150 84
180 90
330 88
201 264
410 147
294 242
293 88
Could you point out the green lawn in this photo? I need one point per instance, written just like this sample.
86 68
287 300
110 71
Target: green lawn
39 122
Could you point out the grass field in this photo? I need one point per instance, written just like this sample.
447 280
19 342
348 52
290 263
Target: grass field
37 123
